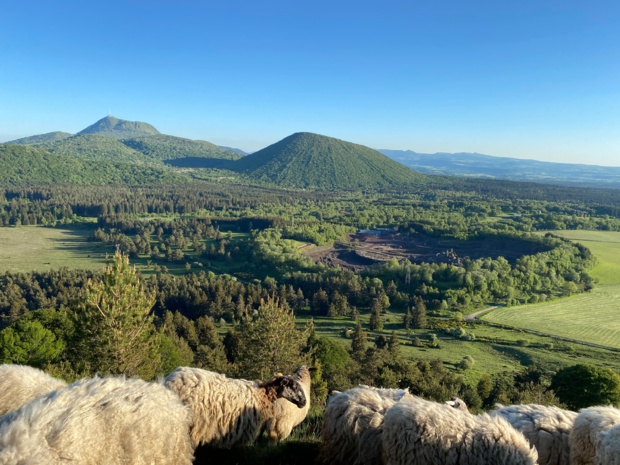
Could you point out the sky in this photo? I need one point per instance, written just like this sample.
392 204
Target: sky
536 79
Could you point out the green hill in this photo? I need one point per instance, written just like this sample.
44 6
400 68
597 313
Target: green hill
26 165
306 160
120 128
96 147
178 151
41 138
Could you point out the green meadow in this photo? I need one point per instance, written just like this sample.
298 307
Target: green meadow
591 317
36 248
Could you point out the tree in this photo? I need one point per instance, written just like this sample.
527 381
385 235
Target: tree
376 322
359 342
114 324
581 385
270 342
29 343
419 314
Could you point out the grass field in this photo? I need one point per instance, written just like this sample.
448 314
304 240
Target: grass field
591 317
35 248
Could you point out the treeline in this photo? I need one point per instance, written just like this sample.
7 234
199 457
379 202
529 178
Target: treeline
460 209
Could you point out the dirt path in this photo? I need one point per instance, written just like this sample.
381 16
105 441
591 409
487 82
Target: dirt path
473 316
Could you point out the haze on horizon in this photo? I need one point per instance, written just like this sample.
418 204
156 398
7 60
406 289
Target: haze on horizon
530 79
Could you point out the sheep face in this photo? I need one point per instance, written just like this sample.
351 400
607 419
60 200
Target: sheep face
290 389
458 404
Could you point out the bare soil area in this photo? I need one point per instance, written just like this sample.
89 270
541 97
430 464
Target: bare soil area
364 250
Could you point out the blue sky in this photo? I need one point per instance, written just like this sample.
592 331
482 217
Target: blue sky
528 79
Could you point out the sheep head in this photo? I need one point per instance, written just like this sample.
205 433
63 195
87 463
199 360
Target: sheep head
287 387
458 403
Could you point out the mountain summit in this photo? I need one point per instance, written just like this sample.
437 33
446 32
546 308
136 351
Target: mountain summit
307 160
120 128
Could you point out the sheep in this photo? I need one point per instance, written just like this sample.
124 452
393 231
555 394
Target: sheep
353 422
113 420
227 412
458 403
592 437
609 452
547 428
20 384
286 414
420 432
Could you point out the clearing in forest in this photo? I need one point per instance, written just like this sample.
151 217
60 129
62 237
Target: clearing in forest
365 249
35 248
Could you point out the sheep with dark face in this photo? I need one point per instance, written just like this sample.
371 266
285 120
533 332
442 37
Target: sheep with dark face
287 415
227 411
114 420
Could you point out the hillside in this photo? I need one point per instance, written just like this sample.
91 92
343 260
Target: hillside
178 151
306 160
96 147
119 128
514 169
22 165
41 138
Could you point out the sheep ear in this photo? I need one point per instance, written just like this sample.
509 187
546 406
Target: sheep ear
312 369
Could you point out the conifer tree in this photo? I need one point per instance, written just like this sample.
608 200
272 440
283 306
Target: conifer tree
359 342
376 322
114 324
270 342
419 314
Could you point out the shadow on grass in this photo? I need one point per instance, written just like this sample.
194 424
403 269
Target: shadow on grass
287 453
75 239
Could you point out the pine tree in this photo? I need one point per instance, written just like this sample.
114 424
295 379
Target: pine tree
270 342
394 344
359 342
376 322
419 314
114 324
408 318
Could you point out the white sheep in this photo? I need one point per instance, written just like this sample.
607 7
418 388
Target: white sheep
547 428
286 414
420 432
352 425
114 420
20 384
226 411
609 451
594 436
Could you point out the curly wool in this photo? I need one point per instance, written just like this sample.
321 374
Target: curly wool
420 432
609 451
593 435
225 411
353 424
115 421
547 428
20 384
287 415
